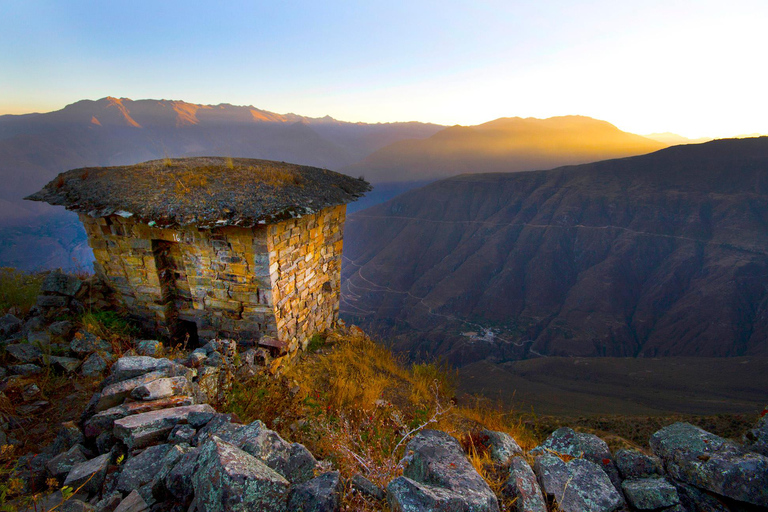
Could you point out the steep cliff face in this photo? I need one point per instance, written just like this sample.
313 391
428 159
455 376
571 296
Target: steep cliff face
657 255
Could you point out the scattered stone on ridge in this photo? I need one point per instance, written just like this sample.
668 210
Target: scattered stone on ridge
24 352
635 464
502 446
90 474
367 488
151 348
756 440
114 394
63 463
162 388
132 503
697 457
59 283
68 364
85 343
438 476
321 494
142 468
128 367
152 427
577 485
650 493
230 479
25 369
9 324
95 364
523 486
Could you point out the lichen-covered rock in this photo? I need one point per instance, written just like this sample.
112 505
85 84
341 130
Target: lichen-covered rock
62 464
291 460
142 468
128 367
178 480
438 476
182 434
162 388
635 464
152 348
367 488
756 440
697 457
321 494
85 343
153 427
59 283
567 441
89 474
230 479
109 503
69 435
62 328
577 486
94 364
502 446
696 500
650 493
24 352
523 487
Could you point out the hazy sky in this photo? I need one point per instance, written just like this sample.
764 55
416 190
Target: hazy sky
695 67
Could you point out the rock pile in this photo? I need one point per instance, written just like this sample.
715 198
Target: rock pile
150 439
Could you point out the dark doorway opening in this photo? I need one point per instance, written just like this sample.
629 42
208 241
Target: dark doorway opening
175 293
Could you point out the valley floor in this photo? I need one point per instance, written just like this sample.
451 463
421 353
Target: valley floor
622 386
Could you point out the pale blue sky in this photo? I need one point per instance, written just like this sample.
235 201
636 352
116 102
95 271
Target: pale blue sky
695 67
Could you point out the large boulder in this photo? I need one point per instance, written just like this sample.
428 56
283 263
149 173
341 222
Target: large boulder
229 479
707 461
438 477
291 460
523 487
577 486
567 441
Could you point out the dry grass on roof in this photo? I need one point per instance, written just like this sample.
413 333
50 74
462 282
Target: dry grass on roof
204 191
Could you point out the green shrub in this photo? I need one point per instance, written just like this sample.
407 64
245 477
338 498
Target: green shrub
18 289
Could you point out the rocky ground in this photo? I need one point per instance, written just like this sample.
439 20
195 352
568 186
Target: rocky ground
151 438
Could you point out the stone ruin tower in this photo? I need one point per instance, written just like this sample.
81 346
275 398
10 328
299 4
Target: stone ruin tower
214 247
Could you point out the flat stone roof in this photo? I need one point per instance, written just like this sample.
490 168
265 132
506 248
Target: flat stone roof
206 192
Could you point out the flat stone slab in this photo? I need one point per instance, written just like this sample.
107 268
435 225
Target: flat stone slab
132 366
114 394
145 429
162 388
90 474
104 421
24 352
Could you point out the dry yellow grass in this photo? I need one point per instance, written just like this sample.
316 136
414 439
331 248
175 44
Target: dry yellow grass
355 404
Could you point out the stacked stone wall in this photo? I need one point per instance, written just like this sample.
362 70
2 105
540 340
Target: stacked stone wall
305 269
219 279
281 280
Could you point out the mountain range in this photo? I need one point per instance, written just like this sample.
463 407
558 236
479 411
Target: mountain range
118 131
664 254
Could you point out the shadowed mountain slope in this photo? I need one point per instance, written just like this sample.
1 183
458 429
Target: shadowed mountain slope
504 145
656 255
